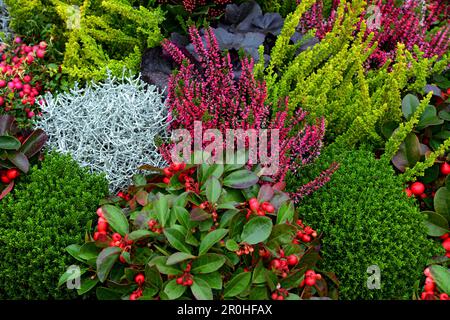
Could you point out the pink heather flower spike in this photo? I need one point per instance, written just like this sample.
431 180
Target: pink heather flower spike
208 92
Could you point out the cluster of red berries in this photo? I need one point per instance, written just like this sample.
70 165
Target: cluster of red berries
445 169
245 249
430 288
260 209
124 196
140 280
116 239
186 279
282 263
6 176
279 294
306 234
310 278
446 244
207 206
17 83
154 226
171 170
418 188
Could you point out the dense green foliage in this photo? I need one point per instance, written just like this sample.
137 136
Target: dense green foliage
331 80
91 35
44 214
368 220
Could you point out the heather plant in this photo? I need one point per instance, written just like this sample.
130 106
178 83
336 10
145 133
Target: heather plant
413 23
210 93
109 126
44 214
106 35
210 232
368 222
330 79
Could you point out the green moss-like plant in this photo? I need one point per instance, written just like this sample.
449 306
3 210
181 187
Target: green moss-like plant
44 214
367 220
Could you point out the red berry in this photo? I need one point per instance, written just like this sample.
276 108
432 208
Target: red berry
268 207
445 168
306 238
102 226
429 287
280 297
310 274
100 212
40 53
427 272
116 237
166 180
12 173
5 179
179 280
443 296
310 281
139 279
417 188
189 282
292 260
167 172
275 263
254 204
133 296
423 196
446 244
274 296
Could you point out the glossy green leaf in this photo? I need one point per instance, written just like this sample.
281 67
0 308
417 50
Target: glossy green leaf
116 219
210 239
257 230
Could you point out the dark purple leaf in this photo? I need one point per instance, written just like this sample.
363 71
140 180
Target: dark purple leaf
156 67
6 122
7 190
19 160
34 143
430 88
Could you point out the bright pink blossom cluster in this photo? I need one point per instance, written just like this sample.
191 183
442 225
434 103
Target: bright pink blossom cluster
408 23
191 5
206 90
19 77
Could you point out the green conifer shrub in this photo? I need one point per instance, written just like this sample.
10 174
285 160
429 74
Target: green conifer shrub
367 219
44 214
90 36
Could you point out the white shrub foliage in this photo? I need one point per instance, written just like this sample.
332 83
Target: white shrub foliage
109 127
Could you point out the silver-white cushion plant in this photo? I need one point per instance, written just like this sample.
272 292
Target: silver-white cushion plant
109 127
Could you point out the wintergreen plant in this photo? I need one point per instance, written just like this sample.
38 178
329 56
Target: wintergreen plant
110 127
45 213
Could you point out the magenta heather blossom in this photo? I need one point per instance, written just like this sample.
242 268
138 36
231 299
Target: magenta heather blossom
207 91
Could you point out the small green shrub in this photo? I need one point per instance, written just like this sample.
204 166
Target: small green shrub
42 216
367 219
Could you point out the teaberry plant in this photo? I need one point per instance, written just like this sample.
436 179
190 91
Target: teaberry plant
201 232
208 92
21 79
17 147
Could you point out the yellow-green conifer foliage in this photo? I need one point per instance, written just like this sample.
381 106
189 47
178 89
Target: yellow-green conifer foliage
331 79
